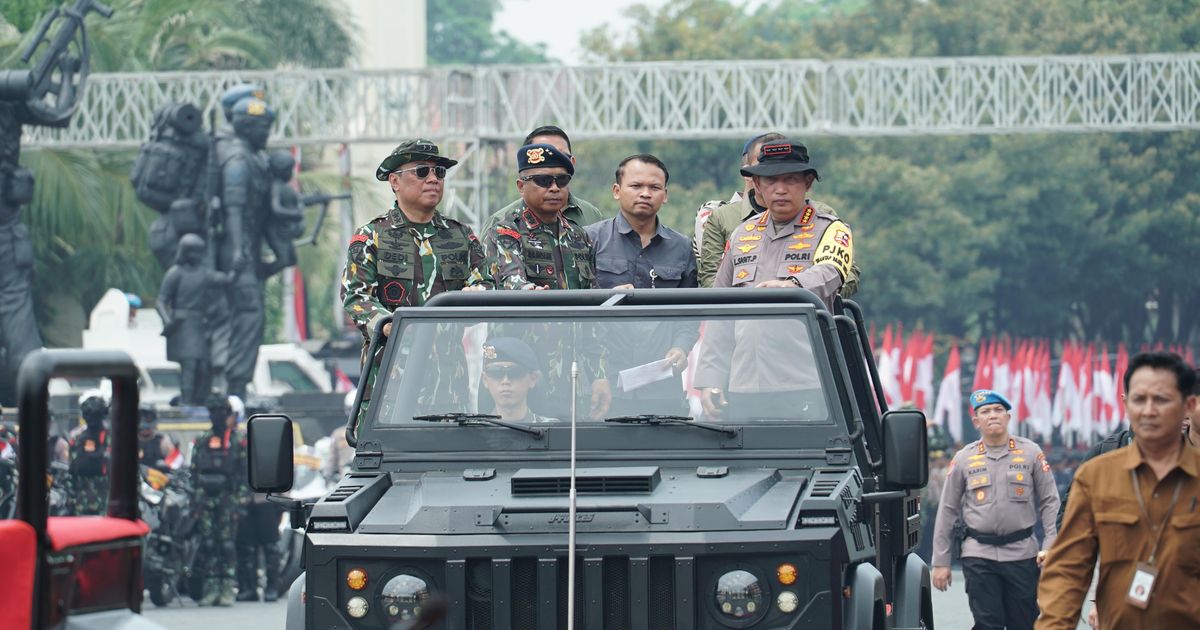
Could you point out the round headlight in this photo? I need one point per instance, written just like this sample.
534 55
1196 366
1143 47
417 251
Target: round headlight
357 607
403 596
740 596
787 602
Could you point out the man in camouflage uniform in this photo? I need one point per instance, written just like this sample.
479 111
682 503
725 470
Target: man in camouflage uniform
718 219
411 253
577 211
534 248
87 489
219 483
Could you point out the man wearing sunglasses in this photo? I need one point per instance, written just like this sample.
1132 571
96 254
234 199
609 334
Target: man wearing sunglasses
577 211
535 246
412 252
510 371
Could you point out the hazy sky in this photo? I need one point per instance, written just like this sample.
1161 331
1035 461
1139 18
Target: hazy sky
559 23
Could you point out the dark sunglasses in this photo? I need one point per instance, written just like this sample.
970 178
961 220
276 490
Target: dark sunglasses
501 372
423 171
544 181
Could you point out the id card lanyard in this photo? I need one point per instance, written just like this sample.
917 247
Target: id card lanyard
1137 491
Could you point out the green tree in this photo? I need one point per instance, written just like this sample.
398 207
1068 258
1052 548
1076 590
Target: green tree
462 32
1037 235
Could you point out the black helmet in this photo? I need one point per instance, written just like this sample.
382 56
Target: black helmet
218 403
93 407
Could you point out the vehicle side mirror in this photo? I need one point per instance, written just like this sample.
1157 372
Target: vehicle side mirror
269 446
905 449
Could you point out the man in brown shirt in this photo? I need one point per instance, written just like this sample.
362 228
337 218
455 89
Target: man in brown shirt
1136 507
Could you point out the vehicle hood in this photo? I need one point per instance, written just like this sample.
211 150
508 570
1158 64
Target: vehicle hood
642 498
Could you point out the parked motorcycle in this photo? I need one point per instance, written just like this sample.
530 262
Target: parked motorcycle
170 546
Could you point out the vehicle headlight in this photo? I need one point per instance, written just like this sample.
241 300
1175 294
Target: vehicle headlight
403 596
740 596
357 607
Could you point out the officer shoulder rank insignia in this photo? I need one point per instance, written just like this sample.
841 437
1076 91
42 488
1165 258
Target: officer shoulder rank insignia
489 352
536 155
807 215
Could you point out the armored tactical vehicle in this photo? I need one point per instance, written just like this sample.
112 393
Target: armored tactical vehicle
794 505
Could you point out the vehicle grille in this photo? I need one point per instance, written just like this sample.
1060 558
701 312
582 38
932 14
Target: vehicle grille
611 593
561 486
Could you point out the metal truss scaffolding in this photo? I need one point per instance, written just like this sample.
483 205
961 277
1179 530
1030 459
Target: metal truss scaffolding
475 107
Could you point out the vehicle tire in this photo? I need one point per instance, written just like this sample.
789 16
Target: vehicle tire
161 592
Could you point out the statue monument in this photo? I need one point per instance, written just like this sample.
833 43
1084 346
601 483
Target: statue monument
47 95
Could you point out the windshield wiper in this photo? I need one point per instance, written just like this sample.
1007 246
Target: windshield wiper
477 419
651 418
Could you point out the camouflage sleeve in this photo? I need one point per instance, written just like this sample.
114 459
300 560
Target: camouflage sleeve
358 280
712 250
502 249
478 275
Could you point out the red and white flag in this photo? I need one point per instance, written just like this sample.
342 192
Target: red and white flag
889 367
983 366
923 380
949 410
1119 377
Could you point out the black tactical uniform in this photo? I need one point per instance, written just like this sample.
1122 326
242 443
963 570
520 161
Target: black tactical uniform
88 484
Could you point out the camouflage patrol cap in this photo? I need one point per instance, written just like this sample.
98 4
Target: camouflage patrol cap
414 150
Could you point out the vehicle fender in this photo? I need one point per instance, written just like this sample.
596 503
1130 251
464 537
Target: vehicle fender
914 597
295 605
864 610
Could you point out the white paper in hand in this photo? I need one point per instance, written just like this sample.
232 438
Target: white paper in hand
643 375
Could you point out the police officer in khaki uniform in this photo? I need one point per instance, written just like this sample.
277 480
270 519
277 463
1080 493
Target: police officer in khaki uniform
999 486
790 243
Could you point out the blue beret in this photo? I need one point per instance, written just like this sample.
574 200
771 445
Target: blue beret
230 97
543 156
253 108
988 397
510 349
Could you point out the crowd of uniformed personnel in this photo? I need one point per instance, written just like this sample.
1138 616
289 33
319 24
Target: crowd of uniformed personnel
997 491
229 522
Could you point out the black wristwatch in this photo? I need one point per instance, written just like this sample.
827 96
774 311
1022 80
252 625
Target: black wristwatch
795 281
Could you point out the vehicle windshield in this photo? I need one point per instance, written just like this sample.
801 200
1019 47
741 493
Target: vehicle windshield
755 370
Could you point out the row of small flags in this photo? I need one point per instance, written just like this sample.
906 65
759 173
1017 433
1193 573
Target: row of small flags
1083 399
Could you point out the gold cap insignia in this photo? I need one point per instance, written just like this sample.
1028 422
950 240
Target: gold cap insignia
536 155
489 352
